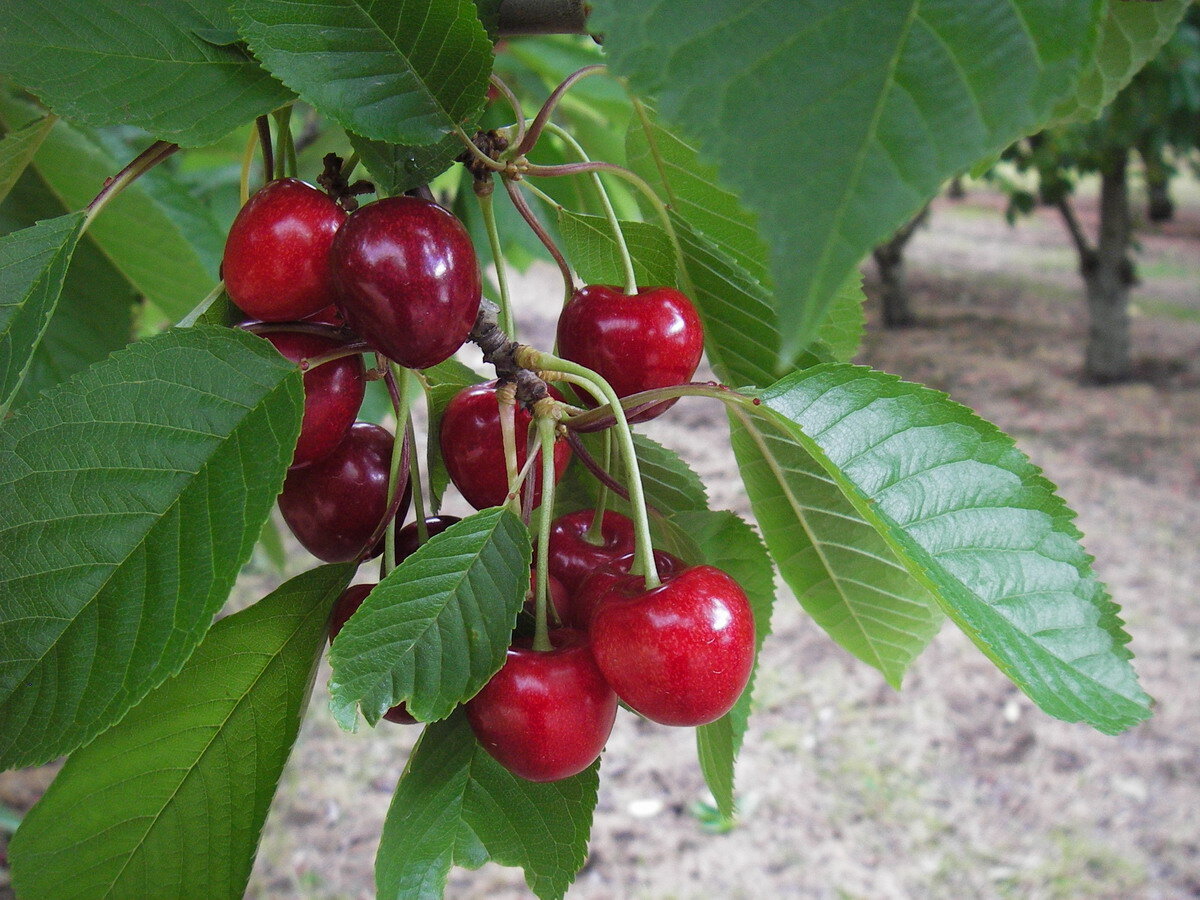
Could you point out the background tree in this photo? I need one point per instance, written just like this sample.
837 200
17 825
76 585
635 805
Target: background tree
1157 114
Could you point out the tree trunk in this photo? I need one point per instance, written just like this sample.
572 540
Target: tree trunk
889 260
1108 274
1159 205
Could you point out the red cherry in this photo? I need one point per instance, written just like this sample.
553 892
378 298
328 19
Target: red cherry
407 279
599 582
328 315
474 450
408 539
347 605
572 557
333 392
334 505
545 716
679 654
559 596
276 265
651 340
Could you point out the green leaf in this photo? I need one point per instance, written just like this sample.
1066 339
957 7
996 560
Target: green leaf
668 482
405 73
979 525
107 62
33 265
835 125
724 540
130 496
17 149
441 383
171 801
1130 35
95 308
455 805
164 241
395 168
592 251
437 628
841 570
842 330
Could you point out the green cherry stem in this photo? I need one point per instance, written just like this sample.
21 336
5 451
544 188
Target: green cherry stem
507 93
247 162
286 164
506 397
483 193
603 392
397 382
609 213
349 166
545 429
202 307
595 533
141 164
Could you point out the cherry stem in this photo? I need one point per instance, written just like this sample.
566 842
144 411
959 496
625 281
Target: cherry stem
524 485
287 147
247 162
264 139
506 397
609 213
545 427
531 220
488 210
504 89
543 115
141 164
595 533
603 391
603 475
349 166
356 348
394 501
397 384
202 307
602 417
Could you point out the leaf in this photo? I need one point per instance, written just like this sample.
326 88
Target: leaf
441 383
109 62
33 265
171 801
725 540
842 331
94 316
164 241
668 482
405 73
130 496
834 125
1130 35
455 805
593 253
437 628
979 525
17 149
841 570
395 168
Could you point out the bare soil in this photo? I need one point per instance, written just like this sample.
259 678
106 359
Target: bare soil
957 786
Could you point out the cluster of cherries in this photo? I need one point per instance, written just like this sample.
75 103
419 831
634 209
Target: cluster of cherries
399 276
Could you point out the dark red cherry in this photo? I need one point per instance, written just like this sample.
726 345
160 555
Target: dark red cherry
347 605
328 315
408 538
559 598
679 654
573 557
545 716
276 264
596 586
334 505
651 340
407 279
474 450
333 392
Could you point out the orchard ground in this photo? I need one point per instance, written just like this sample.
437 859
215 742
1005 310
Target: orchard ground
957 786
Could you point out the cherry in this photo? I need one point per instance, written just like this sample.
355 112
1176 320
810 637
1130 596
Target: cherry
545 716
328 315
276 265
334 505
560 598
408 538
572 557
681 653
652 339
599 582
473 448
333 392
407 279
347 605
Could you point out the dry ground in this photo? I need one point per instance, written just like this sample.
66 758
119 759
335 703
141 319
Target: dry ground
957 786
